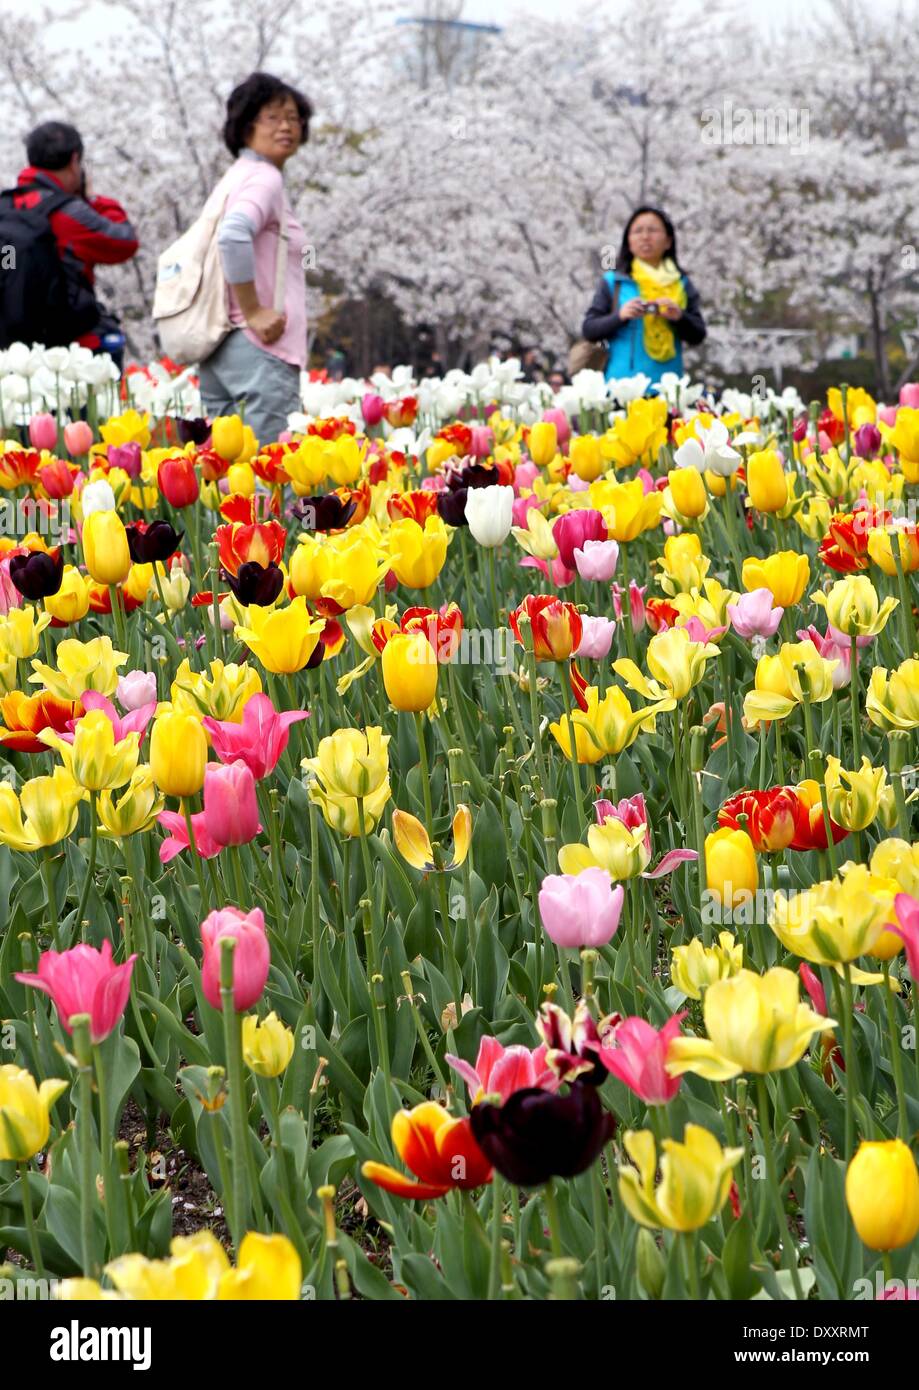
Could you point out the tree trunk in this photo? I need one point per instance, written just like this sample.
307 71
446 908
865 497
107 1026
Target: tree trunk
881 376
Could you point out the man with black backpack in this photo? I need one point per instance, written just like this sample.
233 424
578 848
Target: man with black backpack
53 233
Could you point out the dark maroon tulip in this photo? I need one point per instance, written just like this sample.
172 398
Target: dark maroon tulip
535 1135
192 431
326 513
149 543
255 583
451 506
37 575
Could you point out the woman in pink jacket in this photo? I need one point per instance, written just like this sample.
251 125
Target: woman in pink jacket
257 367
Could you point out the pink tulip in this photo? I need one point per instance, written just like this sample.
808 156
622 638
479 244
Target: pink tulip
647 481
230 805
251 958
754 616
636 603
811 982
372 409
867 441
10 597
285 437
78 438
909 395
561 575
597 560
596 638
831 650
135 689
483 441
177 840
127 457
85 981
501 1070
580 909
259 740
907 927
521 506
887 414
562 424
43 431
525 475
572 529
636 1053
698 632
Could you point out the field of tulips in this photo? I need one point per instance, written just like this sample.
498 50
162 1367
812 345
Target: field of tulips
461 850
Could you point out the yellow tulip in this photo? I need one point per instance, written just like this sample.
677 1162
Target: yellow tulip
852 606
105 547
676 664
904 437
414 844
585 456
767 485
80 666
694 1184
542 444
536 536
227 436
684 566
344 459
892 701
854 797
20 631
267 1267
130 427
622 850
880 548
861 408
9 674
784 574
44 812
283 639
222 690
342 813
688 491
71 602
607 726
417 554
410 671
628 510
178 753
24 1119
267 1044
351 762
95 759
694 967
838 920
731 871
882 1194
135 810
783 682
354 568
755 1023
638 437
897 859
241 479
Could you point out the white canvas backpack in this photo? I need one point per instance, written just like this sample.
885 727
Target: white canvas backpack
190 305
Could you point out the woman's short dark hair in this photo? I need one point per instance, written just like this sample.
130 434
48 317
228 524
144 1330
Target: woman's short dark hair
245 102
624 259
53 145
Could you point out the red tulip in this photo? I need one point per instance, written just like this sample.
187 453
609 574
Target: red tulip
178 481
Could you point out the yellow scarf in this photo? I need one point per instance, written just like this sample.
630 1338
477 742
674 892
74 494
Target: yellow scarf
663 281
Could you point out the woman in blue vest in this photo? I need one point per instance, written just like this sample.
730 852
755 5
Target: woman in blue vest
646 308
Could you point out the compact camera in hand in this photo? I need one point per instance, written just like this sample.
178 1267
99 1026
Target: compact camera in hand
650 306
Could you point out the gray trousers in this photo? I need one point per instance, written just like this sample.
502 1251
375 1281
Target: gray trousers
240 375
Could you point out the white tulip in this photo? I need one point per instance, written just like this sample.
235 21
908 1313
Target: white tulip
489 512
97 497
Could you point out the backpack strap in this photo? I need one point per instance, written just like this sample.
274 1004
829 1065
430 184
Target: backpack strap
48 204
612 279
280 267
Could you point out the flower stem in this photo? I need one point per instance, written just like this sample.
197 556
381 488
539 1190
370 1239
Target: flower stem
788 1247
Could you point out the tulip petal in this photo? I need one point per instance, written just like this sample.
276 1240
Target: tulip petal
462 836
391 1180
670 862
412 840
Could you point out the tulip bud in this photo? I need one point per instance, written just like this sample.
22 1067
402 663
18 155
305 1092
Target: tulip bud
105 547
43 431
650 1263
730 866
882 1194
78 438
267 1045
688 491
543 443
766 482
372 409
410 671
178 481
178 753
251 957
227 436
230 805
241 479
